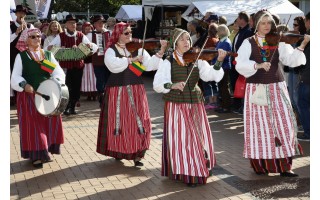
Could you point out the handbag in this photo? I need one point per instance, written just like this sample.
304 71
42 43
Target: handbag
240 87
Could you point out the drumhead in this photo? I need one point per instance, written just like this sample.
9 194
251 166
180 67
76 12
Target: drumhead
52 89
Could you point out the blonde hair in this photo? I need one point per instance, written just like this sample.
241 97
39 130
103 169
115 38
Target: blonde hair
223 31
49 32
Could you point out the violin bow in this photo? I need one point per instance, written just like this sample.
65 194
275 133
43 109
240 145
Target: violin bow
194 64
280 39
144 34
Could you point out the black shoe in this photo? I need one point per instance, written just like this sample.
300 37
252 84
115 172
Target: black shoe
288 174
37 164
67 112
138 164
72 111
223 110
118 159
303 138
192 185
262 173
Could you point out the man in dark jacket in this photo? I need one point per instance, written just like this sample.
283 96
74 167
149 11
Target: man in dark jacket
304 89
244 32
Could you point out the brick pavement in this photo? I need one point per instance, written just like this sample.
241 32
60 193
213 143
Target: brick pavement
81 173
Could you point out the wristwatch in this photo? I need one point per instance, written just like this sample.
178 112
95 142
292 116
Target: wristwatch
23 84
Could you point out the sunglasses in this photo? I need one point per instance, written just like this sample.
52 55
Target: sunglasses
295 25
127 33
34 36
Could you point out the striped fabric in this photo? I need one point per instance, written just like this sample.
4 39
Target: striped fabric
129 144
259 133
271 165
88 83
47 66
186 129
38 134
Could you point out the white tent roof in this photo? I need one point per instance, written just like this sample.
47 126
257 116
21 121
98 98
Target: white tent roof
168 2
129 12
230 9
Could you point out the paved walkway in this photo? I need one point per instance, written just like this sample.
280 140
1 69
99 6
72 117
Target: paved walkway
81 173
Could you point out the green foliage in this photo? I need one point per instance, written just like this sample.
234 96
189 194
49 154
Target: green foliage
110 7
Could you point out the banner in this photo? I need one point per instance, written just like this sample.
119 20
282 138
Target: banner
31 6
42 8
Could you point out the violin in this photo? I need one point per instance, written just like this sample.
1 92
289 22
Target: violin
137 44
206 54
290 37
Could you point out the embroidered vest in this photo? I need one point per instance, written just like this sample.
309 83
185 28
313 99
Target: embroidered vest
274 75
191 93
126 77
32 71
68 42
96 59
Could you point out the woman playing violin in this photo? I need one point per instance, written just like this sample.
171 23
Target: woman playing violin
270 139
125 126
188 153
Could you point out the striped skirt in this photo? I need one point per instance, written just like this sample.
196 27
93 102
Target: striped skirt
38 134
187 148
129 143
88 83
267 126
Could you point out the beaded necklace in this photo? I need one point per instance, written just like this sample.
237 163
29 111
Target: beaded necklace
264 50
177 59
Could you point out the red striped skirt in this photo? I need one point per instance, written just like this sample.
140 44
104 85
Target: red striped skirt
263 124
38 134
88 83
271 165
129 144
187 148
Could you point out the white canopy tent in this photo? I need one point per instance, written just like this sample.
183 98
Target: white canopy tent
168 2
129 12
230 9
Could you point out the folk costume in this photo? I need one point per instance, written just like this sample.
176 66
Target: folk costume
124 125
39 135
187 146
74 68
270 130
88 83
101 72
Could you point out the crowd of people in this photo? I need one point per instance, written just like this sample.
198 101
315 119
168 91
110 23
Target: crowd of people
276 98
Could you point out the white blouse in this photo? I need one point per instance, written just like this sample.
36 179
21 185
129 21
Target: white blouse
163 75
16 77
116 64
287 56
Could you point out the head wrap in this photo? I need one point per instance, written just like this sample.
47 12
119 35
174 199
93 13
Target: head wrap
261 14
32 31
175 35
86 24
117 31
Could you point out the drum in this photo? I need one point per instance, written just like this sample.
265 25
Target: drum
58 97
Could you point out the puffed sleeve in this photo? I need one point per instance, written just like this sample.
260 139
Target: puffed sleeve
151 63
244 65
85 40
16 76
208 73
115 64
290 56
58 72
162 76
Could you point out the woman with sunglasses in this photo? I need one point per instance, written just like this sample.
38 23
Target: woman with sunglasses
39 135
125 126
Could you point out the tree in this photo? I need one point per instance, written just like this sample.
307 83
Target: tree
110 7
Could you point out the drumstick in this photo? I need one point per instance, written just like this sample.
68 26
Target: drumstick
46 97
